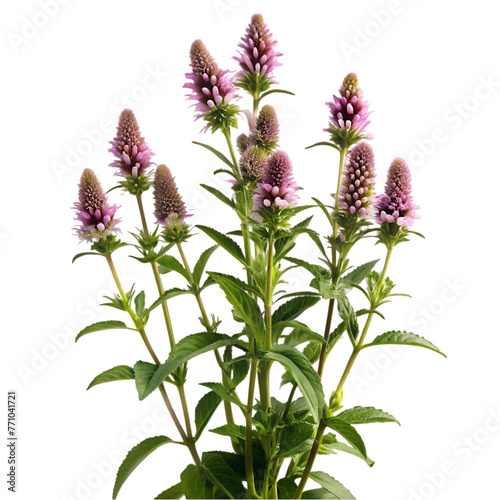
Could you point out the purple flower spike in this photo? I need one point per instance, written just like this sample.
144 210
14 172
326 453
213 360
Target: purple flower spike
253 163
278 187
258 54
133 155
356 192
349 114
92 209
267 129
396 204
169 206
211 87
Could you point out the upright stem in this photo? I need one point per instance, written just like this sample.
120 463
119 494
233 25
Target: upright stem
187 439
249 432
156 273
336 395
331 304
237 172
227 405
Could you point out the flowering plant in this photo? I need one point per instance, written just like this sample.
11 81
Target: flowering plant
261 433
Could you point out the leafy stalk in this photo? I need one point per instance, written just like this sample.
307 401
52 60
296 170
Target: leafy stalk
186 439
331 304
249 432
336 396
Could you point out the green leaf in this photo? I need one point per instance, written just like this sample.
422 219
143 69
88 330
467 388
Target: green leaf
103 325
194 484
216 153
294 308
231 430
348 314
169 263
365 415
296 439
339 446
316 270
134 457
323 144
186 349
78 255
221 196
301 334
174 492
217 470
332 485
140 304
287 488
204 410
274 91
143 373
359 274
348 432
245 306
169 294
304 375
225 242
201 264
221 391
121 372
403 338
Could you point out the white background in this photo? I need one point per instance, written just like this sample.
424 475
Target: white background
422 66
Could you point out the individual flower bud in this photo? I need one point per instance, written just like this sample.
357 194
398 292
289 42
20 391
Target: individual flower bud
253 164
242 143
267 129
169 205
396 204
97 217
278 187
133 155
356 192
258 54
349 114
210 86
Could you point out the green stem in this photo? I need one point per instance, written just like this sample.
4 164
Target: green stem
236 167
337 394
186 438
156 273
225 381
249 432
310 461
331 304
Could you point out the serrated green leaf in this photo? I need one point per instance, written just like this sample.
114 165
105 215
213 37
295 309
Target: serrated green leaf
221 391
245 306
347 313
286 488
225 242
194 483
174 492
403 338
301 334
217 470
231 430
333 445
169 294
144 371
201 264
186 349
103 325
336 489
365 415
296 439
304 375
348 432
294 308
134 457
169 263
359 274
204 410
140 304
316 270
121 372
219 195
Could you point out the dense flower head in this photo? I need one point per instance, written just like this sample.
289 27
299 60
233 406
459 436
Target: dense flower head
96 215
349 113
396 204
133 155
356 192
267 128
211 87
278 187
242 143
258 54
253 163
169 206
